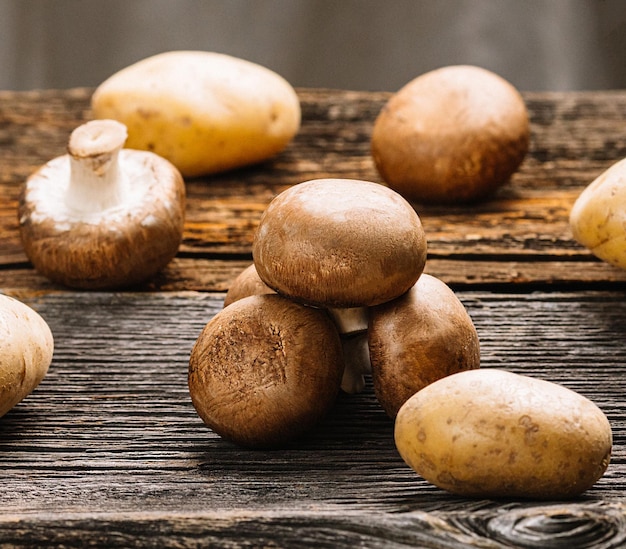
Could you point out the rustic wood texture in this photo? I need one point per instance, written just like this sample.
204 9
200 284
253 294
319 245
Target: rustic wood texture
108 451
109 445
575 136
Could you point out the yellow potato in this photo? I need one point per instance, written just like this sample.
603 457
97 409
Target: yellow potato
26 348
598 217
203 111
494 434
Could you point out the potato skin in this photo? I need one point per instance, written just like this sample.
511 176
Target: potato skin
418 338
452 135
494 434
598 217
26 348
203 111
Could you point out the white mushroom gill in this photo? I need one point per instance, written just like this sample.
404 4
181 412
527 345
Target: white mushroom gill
62 200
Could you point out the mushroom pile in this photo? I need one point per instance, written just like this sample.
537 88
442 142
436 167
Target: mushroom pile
336 292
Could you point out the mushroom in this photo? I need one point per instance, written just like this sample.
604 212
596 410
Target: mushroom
418 338
451 135
343 245
246 283
357 363
265 370
351 325
101 216
26 348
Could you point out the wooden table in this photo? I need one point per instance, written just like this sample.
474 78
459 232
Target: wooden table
109 450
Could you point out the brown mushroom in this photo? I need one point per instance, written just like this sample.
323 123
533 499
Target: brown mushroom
357 363
102 216
246 283
418 338
452 135
265 370
343 245
339 243
350 323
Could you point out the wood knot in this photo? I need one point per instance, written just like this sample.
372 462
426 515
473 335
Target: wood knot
560 526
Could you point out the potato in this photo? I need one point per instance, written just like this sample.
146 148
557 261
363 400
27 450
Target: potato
203 111
452 135
598 217
25 351
494 434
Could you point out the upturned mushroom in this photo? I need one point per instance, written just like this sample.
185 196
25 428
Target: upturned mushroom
102 216
26 348
265 370
343 245
418 338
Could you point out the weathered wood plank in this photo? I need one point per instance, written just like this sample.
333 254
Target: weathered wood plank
109 450
112 426
551 527
460 272
574 138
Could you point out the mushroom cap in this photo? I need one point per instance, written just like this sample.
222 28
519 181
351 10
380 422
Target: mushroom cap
451 135
26 349
117 246
246 283
422 336
339 243
265 370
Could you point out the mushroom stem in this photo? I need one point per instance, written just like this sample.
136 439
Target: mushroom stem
352 323
94 177
349 320
357 363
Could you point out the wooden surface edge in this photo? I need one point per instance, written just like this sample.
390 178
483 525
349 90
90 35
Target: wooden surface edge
589 524
513 275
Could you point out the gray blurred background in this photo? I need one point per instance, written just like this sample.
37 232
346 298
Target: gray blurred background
348 44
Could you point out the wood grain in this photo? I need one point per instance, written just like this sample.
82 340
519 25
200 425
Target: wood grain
545 527
575 136
108 451
109 444
461 272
